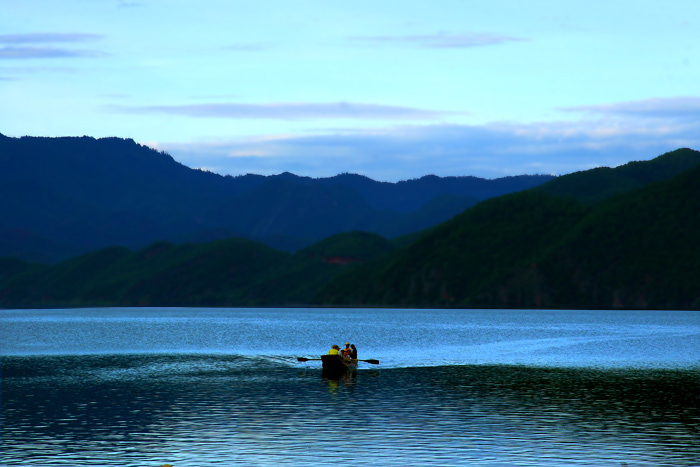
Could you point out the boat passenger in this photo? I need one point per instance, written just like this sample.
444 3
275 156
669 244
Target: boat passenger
353 355
335 350
347 351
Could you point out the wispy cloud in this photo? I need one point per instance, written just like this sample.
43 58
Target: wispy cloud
38 45
442 40
665 108
45 38
46 52
40 69
291 111
405 152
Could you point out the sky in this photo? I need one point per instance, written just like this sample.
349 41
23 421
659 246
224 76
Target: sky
393 90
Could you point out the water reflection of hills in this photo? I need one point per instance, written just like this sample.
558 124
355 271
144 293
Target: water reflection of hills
197 410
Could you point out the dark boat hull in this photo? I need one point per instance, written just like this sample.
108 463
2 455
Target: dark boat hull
336 364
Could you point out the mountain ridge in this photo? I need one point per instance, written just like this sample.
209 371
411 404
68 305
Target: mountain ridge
635 249
84 194
536 250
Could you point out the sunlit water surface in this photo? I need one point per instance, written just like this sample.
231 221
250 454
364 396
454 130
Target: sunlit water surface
201 387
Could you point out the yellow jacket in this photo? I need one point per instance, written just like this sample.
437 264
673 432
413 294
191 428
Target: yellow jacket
333 352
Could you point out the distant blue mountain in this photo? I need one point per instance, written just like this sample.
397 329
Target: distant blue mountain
60 197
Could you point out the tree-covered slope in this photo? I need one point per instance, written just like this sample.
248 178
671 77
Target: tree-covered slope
60 197
623 237
638 249
233 272
633 251
161 274
603 182
445 266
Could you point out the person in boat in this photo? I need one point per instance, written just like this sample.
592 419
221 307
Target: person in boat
346 353
335 350
353 355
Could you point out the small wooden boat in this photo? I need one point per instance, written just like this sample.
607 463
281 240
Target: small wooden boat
337 364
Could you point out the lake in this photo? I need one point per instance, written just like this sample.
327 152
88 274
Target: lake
198 387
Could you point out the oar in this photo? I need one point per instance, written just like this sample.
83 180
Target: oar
304 359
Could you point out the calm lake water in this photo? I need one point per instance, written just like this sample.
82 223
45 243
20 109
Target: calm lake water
200 387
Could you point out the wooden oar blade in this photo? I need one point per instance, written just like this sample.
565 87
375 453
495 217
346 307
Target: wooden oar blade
304 359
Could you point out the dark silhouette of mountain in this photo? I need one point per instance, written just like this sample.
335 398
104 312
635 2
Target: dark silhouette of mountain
91 193
637 249
39 249
634 248
603 182
409 195
232 272
76 194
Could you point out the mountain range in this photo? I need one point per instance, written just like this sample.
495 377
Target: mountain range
60 197
623 237
599 239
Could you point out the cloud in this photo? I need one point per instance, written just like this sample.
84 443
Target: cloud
290 111
16 46
40 69
45 38
442 40
405 152
46 52
677 108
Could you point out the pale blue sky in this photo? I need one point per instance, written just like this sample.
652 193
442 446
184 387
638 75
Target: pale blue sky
390 89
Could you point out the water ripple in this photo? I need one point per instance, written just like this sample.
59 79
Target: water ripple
197 410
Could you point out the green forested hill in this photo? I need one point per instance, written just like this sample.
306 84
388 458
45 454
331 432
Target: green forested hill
445 267
161 274
632 245
634 251
234 272
60 197
603 182
639 249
